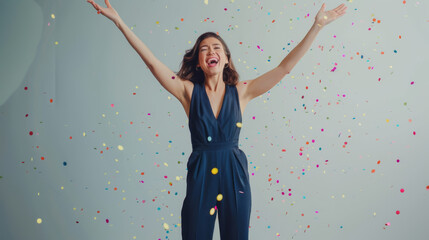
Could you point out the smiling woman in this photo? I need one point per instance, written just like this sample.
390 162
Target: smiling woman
208 87
195 57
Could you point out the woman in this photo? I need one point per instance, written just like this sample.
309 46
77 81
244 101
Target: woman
214 100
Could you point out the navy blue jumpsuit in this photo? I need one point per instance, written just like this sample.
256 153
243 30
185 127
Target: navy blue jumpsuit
217 179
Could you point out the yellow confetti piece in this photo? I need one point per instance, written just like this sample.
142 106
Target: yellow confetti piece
53 16
325 17
166 227
62 187
212 211
120 147
39 221
166 164
206 2
219 197
239 124
84 134
215 171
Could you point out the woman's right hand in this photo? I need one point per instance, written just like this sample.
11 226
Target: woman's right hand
109 12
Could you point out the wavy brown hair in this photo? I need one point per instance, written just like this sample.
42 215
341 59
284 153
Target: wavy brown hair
190 60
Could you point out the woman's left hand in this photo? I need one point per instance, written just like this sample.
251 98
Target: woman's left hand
324 18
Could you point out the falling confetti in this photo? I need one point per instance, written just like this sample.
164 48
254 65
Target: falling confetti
166 227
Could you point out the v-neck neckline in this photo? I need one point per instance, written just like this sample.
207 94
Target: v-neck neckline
210 105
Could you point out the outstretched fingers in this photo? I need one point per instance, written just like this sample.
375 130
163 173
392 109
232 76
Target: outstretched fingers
339 7
95 5
107 3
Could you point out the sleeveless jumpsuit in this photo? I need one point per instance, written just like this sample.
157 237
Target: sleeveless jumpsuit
217 181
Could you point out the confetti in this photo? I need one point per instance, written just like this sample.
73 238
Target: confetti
212 211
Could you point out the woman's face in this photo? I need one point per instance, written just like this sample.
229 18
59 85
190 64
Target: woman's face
211 49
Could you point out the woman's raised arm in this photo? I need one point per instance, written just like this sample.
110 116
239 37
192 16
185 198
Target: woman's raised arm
167 78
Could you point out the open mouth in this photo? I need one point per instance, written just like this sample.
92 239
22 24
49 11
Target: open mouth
212 62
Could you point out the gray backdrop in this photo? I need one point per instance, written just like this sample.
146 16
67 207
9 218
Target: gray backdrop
107 155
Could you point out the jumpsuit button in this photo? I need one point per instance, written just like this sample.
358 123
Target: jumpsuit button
214 171
219 197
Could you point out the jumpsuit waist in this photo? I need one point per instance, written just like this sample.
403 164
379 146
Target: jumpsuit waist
214 146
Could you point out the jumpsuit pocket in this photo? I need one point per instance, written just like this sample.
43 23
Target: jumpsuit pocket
242 160
192 160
